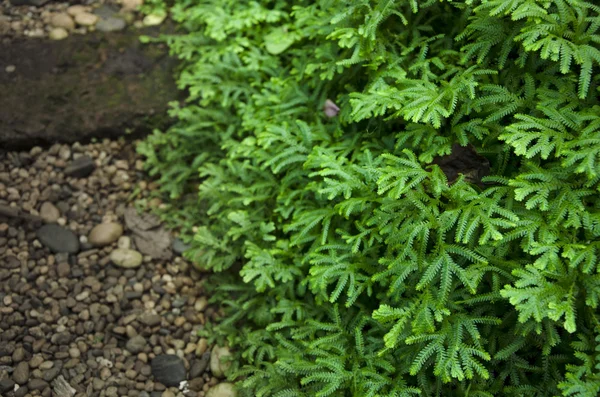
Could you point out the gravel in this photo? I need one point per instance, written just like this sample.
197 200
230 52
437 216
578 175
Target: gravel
74 323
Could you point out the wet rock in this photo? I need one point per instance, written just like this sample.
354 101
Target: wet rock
168 369
58 239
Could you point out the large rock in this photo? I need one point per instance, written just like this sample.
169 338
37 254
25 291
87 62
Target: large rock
58 239
168 369
97 85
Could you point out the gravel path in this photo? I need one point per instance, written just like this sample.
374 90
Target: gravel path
95 299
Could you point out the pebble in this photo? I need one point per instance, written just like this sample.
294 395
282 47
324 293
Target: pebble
202 346
150 319
124 242
168 369
126 258
62 21
49 213
76 9
21 373
154 19
222 390
111 24
136 344
58 239
105 234
10 68
58 34
86 19
131 4
219 362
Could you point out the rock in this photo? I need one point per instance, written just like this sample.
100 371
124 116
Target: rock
130 5
37 384
105 234
58 34
124 242
219 362
62 20
21 373
62 388
6 385
86 19
155 243
150 319
197 368
126 258
49 213
81 167
222 390
168 369
179 247
111 24
201 347
63 269
61 338
154 19
76 9
196 384
58 239
136 344
140 222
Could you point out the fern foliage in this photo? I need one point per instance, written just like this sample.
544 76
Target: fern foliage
436 236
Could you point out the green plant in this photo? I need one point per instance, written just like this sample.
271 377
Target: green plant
350 259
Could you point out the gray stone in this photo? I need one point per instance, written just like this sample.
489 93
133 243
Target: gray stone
58 239
37 384
6 385
150 319
197 368
81 167
21 373
168 369
136 344
111 24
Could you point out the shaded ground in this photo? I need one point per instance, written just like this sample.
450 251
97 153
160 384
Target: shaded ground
96 85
